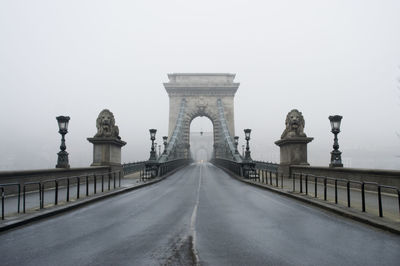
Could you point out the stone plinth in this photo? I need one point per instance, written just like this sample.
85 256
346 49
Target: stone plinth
106 151
293 151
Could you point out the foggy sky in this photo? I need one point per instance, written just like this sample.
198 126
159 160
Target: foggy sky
78 57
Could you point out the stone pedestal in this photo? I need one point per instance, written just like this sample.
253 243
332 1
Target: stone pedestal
106 151
293 151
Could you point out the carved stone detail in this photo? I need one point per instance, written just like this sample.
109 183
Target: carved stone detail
294 125
106 127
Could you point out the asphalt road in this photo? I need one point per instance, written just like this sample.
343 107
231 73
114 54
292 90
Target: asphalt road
198 215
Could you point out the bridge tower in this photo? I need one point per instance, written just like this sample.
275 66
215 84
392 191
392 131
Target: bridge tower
201 94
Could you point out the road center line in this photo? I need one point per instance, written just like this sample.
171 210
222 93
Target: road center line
193 220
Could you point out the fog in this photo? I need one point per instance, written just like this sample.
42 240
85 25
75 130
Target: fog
322 57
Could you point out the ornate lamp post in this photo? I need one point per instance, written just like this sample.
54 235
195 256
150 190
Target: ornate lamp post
236 138
153 155
247 156
165 144
336 155
62 161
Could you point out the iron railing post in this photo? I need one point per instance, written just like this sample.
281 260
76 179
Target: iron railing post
68 189
78 186
316 188
23 204
42 203
363 196
301 183
102 183
348 194
306 184
398 198
19 197
336 197
2 203
94 184
56 193
325 188
380 201
109 181
87 185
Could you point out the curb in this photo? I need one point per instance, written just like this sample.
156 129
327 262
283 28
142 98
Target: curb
352 214
30 218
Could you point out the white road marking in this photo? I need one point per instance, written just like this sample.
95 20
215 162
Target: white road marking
193 220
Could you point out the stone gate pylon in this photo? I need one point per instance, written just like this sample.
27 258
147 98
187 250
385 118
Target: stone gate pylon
201 94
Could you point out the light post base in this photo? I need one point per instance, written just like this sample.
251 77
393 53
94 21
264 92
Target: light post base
62 161
153 156
336 159
152 168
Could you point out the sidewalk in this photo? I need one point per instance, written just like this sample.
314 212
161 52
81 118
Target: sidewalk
32 200
391 216
390 203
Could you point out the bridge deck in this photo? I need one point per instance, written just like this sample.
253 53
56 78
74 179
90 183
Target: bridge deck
199 208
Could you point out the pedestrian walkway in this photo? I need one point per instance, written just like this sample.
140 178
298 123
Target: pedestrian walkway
390 201
51 198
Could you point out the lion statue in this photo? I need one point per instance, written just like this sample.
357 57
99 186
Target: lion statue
294 125
106 127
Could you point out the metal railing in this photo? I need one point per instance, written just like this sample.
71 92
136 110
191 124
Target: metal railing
270 177
109 181
155 169
232 166
129 168
304 180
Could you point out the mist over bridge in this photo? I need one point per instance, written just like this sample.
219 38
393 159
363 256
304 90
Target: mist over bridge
203 213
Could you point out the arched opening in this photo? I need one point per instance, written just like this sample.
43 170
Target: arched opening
201 139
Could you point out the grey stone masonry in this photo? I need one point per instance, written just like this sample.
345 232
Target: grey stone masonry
107 143
201 91
293 142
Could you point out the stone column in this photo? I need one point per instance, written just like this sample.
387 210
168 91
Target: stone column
107 143
293 143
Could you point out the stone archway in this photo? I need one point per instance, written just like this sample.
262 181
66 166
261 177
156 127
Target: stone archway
201 141
203 95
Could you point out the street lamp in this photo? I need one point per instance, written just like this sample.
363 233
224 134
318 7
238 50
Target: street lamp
336 155
165 144
152 138
247 136
62 161
236 138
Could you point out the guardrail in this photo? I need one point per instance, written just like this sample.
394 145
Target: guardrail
270 177
108 179
267 173
153 168
133 167
306 178
232 166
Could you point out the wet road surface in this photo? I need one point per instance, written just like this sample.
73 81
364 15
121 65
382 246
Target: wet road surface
198 215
